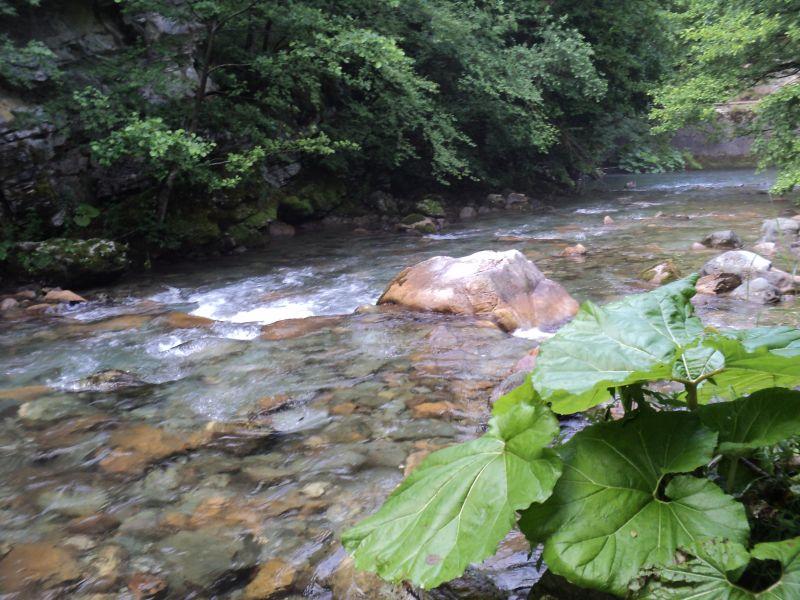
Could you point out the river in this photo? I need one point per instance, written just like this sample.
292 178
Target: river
140 448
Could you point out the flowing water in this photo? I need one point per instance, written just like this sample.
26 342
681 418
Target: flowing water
143 447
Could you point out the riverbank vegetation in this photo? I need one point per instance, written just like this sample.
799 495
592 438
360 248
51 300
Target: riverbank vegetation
656 503
190 121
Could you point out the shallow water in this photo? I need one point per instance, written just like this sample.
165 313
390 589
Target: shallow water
221 451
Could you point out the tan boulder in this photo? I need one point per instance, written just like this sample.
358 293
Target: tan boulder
135 447
293 328
503 286
63 296
179 320
38 564
273 579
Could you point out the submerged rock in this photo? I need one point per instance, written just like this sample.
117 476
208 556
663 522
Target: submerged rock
293 328
503 286
576 250
273 578
722 239
39 564
65 261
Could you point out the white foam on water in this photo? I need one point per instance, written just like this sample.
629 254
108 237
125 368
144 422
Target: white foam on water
272 313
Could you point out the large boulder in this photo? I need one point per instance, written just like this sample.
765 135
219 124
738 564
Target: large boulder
503 286
780 230
749 266
722 239
63 261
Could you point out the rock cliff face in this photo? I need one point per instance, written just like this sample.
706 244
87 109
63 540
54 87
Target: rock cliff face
40 167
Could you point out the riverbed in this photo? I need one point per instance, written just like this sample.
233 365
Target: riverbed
142 446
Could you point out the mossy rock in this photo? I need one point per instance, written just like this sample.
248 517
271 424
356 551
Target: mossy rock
412 218
68 262
430 207
665 272
425 227
192 229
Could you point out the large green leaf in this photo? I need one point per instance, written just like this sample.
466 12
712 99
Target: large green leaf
750 367
632 340
612 514
762 419
714 570
460 502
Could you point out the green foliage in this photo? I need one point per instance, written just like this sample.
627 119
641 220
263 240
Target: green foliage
84 214
426 530
726 48
634 492
621 504
714 570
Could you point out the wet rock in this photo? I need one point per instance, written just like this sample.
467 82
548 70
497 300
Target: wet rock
26 393
315 489
720 283
137 446
758 290
179 320
780 230
109 381
280 229
269 404
146 586
503 286
107 566
273 579
51 409
722 239
661 273
468 212
417 223
554 587
348 583
344 409
738 262
39 309
527 362
294 328
495 201
121 323
238 439
515 200
576 250
63 297
73 500
430 207
37 565
698 247
607 220
199 559
766 248
433 410
94 524
472 585
68 261
8 304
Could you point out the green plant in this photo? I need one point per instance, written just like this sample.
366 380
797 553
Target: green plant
618 503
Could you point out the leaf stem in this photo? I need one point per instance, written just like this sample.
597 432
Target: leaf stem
731 477
691 396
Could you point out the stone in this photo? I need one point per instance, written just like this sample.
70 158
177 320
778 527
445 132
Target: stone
37 564
25 394
179 320
433 410
273 579
94 524
503 286
661 273
109 381
738 262
495 201
430 207
698 247
63 296
73 500
39 309
137 446
516 199
576 250
69 261
146 586
468 212
280 229
607 220
417 223
780 230
315 489
720 283
8 304
269 404
294 328
766 248
344 409
722 239
758 290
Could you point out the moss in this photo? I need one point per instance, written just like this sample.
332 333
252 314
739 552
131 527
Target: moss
69 261
192 229
425 227
412 218
431 207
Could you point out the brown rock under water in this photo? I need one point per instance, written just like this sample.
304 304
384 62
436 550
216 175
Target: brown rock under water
294 328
